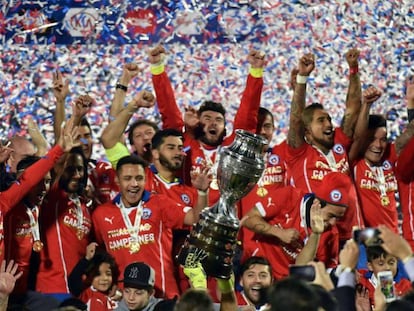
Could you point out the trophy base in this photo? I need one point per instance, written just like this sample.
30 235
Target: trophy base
218 238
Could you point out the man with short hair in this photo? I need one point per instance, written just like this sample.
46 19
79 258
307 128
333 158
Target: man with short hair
132 226
255 277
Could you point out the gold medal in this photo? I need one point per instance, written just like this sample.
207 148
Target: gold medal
37 246
214 184
385 201
134 247
261 192
80 234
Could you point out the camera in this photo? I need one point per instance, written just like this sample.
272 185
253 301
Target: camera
303 272
367 236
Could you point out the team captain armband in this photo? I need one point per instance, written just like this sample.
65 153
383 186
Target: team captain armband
157 69
256 72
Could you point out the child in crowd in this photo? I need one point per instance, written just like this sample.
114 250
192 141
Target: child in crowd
94 278
379 260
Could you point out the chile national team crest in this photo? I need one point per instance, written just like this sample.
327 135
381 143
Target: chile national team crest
146 213
336 195
274 159
185 198
338 148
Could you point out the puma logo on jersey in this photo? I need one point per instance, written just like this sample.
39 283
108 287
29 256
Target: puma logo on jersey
109 219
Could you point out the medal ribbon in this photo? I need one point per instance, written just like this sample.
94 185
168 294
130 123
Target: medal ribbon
133 230
330 158
33 214
79 212
378 173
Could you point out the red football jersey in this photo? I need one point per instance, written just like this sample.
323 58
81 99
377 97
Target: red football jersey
158 214
65 234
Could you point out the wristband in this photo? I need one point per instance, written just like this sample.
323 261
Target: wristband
121 87
202 193
256 72
157 69
301 79
353 70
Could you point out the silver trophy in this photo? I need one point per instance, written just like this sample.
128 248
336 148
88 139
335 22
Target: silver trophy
240 167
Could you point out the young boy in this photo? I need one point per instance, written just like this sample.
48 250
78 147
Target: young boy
379 260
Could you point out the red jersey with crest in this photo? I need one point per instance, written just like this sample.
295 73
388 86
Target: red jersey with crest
158 214
246 118
182 194
274 176
18 190
376 187
284 208
308 165
101 177
16 238
404 171
19 242
65 234
97 301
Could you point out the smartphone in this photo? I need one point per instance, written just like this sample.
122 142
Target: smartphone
306 272
386 281
367 236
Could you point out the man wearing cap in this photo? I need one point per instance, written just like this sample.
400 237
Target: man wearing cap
288 219
138 292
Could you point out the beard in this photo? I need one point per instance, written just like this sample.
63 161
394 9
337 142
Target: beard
199 134
328 144
169 164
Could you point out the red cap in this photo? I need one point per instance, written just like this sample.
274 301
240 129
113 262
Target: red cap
335 189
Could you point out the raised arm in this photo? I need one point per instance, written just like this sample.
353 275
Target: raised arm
369 96
255 222
129 71
353 98
42 146
34 173
403 139
61 91
170 113
296 130
246 116
115 130
308 252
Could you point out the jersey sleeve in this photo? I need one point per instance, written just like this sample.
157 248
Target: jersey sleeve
30 178
170 114
116 153
246 116
404 169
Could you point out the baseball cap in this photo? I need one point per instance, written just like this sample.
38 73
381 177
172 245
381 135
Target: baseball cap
139 275
335 189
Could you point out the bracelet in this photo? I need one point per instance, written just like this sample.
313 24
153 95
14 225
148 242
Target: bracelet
202 193
121 87
301 79
353 70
